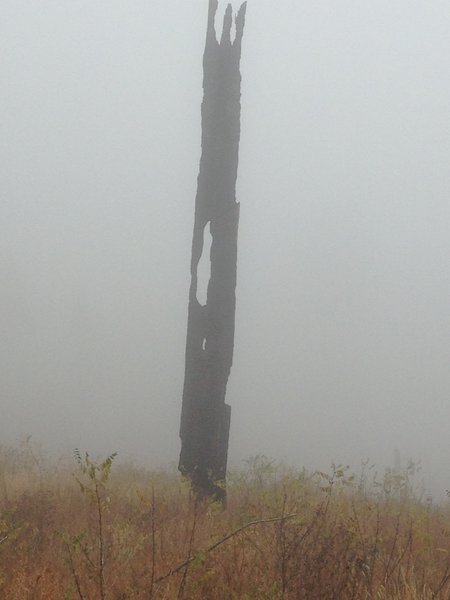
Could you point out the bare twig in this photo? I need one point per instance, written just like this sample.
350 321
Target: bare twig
191 545
101 551
388 572
3 539
74 572
282 548
152 575
227 537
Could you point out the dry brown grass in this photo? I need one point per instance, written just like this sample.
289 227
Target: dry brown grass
283 535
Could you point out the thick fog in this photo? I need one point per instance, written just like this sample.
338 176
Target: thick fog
342 347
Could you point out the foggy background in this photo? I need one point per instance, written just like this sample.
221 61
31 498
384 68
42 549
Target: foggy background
342 347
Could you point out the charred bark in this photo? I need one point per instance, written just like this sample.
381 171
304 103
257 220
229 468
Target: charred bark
205 417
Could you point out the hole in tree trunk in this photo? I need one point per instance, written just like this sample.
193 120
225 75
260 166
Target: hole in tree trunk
204 267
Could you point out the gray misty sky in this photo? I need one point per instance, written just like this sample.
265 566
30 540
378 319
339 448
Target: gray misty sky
343 323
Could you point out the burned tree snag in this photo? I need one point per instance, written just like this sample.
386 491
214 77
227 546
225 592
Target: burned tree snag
205 417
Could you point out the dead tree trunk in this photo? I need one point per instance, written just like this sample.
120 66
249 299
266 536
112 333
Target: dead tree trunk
205 417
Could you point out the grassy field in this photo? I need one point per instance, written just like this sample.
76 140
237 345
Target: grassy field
96 530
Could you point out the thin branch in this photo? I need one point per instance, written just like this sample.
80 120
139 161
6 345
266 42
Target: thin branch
153 533
191 544
222 541
101 551
74 572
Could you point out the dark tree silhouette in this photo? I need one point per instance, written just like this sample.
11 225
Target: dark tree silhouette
205 417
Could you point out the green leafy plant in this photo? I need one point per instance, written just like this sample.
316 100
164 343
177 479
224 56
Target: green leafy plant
92 479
